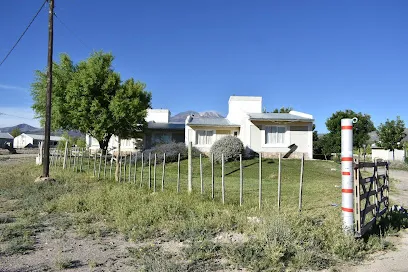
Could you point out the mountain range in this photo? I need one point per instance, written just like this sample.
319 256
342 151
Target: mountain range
24 128
181 117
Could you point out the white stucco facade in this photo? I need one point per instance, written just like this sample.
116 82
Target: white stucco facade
23 140
266 133
377 153
156 116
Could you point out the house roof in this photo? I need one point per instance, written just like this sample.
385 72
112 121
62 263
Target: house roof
278 117
41 137
212 122
5 136
166 126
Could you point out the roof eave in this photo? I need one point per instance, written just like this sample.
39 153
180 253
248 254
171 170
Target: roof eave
282 120
213 125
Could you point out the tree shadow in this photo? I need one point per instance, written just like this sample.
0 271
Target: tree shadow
393 221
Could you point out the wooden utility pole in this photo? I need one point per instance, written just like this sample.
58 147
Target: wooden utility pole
46 162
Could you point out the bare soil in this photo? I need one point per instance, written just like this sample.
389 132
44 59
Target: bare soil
57 249
395 260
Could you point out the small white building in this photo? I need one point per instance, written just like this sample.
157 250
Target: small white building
32 140
268 133
387 155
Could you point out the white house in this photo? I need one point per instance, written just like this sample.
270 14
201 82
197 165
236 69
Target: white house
32 140
159 130
269 133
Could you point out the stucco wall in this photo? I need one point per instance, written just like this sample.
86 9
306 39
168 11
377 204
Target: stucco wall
387 154
158 115
299 134
22 141
218 133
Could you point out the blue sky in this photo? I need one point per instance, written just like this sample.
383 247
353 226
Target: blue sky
315 56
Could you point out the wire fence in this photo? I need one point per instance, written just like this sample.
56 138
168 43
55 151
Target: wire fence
154 172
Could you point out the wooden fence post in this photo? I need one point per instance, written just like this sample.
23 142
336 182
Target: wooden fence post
201 176
130 166
164 170
241 181
89 159
70 155
100 164
75 164
82 159
178 173
154 172
260 180
94 169
120 167
222 179
141 171
212 177
301 182
124 169
104 166
190 168
279 181
150 172
111 162
64 163
134 174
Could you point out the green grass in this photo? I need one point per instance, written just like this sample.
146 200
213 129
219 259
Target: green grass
277 240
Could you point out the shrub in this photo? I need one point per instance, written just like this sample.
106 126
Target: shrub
172 150
230 146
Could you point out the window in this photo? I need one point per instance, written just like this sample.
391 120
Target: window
274 135
236 133
161 138
204 137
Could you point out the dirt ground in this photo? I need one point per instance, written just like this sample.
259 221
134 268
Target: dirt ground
57 249
396 260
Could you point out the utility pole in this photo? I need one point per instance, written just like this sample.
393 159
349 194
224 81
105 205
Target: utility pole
46 162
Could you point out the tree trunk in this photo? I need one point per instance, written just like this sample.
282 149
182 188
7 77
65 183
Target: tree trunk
103 144
393 155
117 161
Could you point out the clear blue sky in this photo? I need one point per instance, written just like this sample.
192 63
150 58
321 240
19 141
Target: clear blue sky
315 56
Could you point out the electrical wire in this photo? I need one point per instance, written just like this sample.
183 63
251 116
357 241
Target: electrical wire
2 113
19 39
72 32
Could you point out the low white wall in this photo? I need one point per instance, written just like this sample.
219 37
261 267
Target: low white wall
387 154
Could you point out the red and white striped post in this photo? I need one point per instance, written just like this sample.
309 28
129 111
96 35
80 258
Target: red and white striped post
347 196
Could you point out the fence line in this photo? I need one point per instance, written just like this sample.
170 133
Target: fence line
73 159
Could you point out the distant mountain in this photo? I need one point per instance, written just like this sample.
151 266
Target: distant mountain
24 128
181 117
374 136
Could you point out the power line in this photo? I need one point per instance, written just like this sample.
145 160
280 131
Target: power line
2 113
11 50
72 32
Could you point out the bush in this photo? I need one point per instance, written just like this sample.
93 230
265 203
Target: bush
172 150
230 146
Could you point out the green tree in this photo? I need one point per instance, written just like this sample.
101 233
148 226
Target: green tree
15 132
391 133
361 129
283 110
129 111
316 145
86 97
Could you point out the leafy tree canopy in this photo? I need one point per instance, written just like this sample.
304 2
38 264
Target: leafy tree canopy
283 110
90 97
361 129
391 133
15 132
